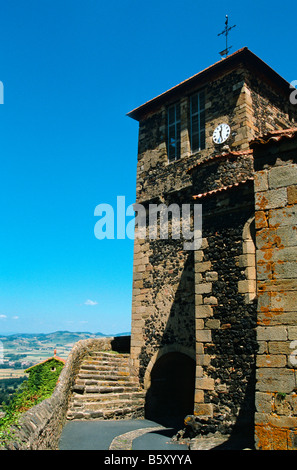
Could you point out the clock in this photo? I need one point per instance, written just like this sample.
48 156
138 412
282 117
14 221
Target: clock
221 133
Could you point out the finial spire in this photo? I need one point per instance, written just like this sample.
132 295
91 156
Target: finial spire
225 32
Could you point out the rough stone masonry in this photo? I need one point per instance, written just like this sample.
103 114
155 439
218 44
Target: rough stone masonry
222 319
276 239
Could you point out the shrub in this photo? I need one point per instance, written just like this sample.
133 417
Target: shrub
39 386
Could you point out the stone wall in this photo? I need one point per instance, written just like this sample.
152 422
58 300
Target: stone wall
163 284
269 108
40 427
221 171
206 301
225 308
163 298
226 100
251 107
276 235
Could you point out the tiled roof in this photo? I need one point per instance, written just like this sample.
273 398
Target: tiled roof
221 156
274 136
57 358
223 188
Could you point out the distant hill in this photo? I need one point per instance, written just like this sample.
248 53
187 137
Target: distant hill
58 336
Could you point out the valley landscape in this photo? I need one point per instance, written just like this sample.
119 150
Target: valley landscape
21 351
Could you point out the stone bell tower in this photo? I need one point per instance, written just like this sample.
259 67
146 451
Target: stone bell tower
194 312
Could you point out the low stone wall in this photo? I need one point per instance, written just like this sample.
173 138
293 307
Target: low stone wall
41 426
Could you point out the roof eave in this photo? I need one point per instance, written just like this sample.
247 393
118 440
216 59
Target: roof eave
58 359
242 56
273 137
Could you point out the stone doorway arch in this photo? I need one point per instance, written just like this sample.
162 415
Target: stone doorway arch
170 388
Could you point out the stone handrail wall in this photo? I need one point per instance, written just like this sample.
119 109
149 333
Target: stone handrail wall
40 427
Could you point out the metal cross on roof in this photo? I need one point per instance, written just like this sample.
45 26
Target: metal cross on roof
225 32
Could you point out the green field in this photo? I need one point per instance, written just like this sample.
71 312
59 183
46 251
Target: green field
11 373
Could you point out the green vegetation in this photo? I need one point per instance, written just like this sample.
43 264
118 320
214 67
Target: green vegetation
8 387
39 386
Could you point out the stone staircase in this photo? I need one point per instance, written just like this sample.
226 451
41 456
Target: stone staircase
103 389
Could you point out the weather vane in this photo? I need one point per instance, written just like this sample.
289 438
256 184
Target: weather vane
225 32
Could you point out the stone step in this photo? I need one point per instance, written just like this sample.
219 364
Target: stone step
119 413
112 405
123 382
104 370
111 359
103 389
87 389
89 369
103 385
109 354
107 357
108 405
95 397
101 366
81 400
113 389
106 360
110 379
104 379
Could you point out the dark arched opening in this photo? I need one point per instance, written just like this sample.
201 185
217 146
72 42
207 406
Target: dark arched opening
171 394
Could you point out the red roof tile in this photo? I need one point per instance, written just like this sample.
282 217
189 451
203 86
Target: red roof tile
221 156
223 188
274 136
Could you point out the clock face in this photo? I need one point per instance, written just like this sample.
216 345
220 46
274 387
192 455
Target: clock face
221 133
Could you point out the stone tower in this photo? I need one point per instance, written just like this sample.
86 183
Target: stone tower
194 312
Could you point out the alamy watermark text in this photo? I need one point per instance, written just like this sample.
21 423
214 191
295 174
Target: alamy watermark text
156 221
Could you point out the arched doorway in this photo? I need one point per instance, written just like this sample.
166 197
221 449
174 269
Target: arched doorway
170 396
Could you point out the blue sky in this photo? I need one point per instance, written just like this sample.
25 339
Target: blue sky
71 71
